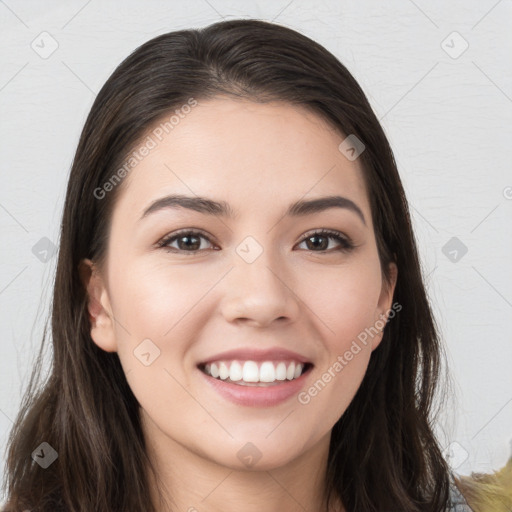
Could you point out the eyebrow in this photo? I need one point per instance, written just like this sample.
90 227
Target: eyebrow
223 209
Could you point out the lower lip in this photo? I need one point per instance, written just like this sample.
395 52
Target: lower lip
257 396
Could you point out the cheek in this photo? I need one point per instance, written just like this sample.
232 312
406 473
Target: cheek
348 309
344 299
155 299
157 304
167 304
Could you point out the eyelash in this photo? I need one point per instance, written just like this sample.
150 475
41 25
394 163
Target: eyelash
346 244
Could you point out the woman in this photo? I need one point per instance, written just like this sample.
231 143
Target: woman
239 317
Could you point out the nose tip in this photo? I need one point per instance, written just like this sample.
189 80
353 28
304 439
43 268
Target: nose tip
256 294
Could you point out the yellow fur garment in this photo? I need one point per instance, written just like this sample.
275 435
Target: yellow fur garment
488 492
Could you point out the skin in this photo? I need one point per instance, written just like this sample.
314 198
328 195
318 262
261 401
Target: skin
259 158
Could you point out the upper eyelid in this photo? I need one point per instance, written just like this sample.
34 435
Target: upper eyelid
182 232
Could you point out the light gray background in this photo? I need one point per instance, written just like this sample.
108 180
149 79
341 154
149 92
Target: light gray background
446 112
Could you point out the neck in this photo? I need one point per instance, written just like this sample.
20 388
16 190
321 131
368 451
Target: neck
190 482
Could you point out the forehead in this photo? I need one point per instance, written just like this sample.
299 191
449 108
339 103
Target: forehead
248 154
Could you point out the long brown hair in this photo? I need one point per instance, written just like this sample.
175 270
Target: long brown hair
383 452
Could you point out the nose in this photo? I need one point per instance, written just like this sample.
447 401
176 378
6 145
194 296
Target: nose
259 293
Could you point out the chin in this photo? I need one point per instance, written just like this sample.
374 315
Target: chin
255 456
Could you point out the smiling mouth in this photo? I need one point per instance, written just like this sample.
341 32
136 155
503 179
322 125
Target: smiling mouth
256 374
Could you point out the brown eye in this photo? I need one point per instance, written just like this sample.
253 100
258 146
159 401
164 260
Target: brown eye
319 241
187 241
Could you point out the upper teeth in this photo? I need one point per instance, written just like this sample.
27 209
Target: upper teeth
250 371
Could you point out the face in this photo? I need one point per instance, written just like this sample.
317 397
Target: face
243 287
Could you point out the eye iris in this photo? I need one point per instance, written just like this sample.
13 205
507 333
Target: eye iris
194 246
316 237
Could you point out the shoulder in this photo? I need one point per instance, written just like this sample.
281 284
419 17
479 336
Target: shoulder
457 502
484 491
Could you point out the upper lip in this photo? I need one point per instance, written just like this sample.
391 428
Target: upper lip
252 354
